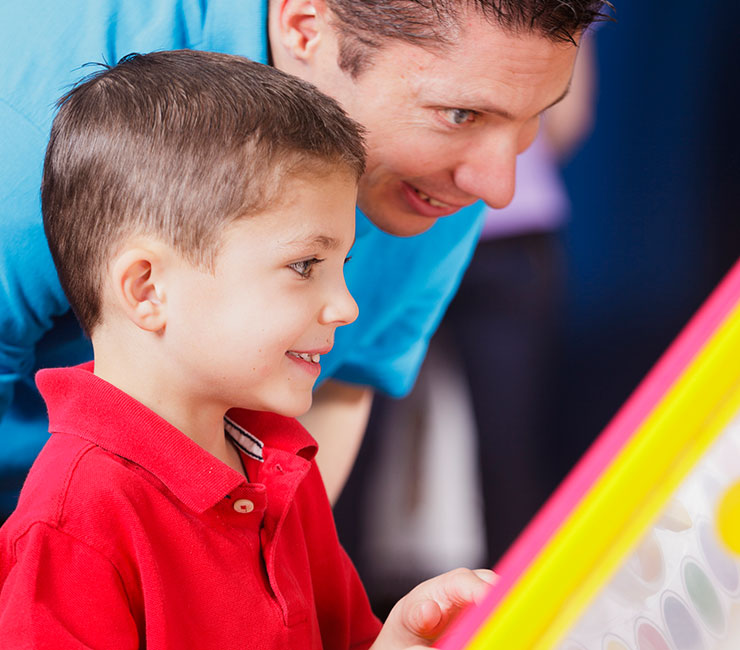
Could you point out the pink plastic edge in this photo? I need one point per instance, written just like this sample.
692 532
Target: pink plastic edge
588 469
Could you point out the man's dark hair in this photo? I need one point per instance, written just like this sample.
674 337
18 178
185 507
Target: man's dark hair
178 145
366 25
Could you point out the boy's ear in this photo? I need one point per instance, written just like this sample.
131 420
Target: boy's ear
138 288
300 24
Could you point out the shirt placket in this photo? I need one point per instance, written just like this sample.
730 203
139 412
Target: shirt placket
282 473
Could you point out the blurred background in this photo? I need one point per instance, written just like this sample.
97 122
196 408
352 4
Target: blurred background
649 225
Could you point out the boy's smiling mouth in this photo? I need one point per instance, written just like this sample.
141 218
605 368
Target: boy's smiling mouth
306 356
309 361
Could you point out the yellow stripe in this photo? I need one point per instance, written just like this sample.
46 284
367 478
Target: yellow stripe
607 525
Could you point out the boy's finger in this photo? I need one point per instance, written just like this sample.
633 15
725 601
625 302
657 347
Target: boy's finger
463 586
424 614
424 619
486 575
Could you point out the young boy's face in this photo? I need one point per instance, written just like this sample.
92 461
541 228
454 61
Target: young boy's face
251 334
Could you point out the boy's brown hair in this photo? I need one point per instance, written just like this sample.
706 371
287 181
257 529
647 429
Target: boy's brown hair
178 145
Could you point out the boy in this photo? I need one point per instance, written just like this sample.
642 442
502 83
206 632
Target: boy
199 208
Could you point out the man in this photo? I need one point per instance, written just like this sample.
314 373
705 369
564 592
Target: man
450 92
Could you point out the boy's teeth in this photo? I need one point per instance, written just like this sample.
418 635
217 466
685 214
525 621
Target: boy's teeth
431 201
311 358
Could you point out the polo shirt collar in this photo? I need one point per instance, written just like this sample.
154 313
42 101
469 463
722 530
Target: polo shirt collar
83 405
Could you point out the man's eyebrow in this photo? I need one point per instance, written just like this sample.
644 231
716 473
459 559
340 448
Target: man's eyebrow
483 107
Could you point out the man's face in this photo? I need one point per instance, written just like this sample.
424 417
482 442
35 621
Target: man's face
255 328
445 127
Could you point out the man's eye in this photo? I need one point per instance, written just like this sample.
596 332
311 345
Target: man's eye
458 116
304 267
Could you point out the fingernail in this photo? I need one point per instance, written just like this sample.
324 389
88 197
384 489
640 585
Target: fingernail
486 575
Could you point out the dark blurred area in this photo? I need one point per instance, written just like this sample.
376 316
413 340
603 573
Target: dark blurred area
655 224
656 202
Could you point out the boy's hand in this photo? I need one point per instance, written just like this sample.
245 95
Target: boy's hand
420 617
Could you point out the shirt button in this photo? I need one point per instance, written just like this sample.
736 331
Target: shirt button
244 506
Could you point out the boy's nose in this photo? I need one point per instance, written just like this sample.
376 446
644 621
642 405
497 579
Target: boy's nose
341 309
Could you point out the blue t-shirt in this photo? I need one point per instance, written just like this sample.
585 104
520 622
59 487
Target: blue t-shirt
402 285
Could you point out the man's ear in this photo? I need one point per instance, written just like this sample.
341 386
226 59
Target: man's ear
300 24
138 289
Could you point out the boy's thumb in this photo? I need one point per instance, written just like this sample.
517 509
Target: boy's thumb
424 619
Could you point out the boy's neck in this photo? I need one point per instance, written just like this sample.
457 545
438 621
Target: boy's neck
163 394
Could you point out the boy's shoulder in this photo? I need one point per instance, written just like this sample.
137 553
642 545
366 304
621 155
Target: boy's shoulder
80 489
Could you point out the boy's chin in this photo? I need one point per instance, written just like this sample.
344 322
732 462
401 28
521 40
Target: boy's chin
293 408
290 403
298 412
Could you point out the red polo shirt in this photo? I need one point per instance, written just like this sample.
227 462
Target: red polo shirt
129 535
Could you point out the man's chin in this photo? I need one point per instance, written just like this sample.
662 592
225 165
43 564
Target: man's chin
401 224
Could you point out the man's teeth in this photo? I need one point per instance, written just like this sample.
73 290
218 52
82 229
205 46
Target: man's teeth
430 200
311 358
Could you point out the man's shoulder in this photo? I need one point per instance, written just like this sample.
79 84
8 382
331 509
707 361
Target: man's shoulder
40 62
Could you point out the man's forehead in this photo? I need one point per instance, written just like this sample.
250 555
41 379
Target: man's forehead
478 43
480 35
481 71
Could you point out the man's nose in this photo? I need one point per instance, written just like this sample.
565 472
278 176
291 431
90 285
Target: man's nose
489 173
488 170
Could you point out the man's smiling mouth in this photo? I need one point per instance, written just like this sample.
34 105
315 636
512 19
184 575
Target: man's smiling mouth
431 201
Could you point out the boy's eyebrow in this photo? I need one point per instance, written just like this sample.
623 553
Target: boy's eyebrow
322 241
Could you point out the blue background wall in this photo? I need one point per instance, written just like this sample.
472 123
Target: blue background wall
656 221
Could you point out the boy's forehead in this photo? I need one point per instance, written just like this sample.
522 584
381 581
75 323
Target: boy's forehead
315 212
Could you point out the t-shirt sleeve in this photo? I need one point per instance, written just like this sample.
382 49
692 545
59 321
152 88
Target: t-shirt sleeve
56 592
30 293
406 286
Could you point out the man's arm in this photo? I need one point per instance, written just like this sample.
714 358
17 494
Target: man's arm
30 295
337 420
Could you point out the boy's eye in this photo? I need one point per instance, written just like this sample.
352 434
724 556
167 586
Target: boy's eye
304 267
458 116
